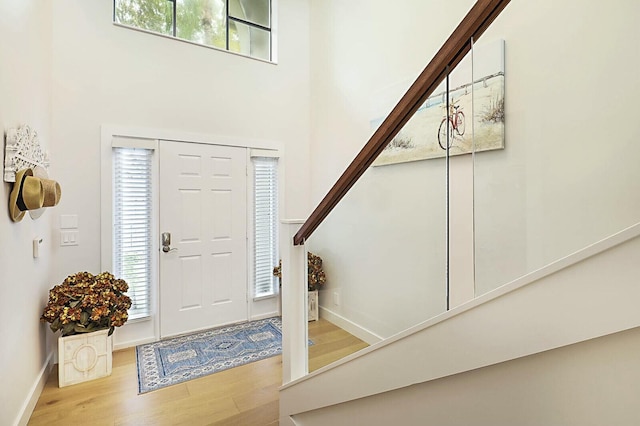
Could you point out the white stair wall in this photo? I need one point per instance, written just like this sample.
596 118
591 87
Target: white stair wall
596 382
592 293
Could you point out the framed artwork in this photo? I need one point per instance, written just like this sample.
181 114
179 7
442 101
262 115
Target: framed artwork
475 116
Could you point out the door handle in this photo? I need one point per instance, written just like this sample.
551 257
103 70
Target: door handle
166 242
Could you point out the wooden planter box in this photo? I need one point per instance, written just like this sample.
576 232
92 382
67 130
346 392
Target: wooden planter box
313 306
84 357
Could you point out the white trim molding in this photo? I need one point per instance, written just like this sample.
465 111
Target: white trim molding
349 326
36 390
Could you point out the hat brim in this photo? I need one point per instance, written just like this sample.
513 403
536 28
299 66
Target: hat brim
14 212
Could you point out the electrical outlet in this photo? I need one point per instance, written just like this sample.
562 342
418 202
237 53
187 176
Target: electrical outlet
336 297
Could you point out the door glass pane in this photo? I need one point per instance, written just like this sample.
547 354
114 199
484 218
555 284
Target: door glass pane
255 11
152 15
202 21
250 41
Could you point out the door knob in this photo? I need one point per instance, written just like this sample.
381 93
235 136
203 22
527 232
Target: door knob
166 242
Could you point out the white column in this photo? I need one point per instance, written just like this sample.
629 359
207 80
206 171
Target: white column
294 304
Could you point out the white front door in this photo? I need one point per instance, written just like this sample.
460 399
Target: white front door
203 207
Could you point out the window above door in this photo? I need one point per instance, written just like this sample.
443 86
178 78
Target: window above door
238 26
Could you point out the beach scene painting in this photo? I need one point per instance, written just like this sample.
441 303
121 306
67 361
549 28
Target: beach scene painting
474 120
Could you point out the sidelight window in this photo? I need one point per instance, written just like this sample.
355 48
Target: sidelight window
132 223
265 195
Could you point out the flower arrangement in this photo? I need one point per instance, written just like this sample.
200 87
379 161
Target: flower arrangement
315 273
277 271
84 303
317 277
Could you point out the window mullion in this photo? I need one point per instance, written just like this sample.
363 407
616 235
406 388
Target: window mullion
175 17
249 23
227 23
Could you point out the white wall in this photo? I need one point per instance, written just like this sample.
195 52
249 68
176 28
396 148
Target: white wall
104 74
567 178
361 51
25 90
384 246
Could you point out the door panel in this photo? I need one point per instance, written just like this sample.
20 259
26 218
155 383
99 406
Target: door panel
203 278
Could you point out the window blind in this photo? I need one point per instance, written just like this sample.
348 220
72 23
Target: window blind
266 225
132 225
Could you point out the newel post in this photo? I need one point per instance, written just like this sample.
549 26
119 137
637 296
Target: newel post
294 303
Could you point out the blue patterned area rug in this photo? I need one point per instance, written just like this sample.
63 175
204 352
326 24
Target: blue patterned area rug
183 358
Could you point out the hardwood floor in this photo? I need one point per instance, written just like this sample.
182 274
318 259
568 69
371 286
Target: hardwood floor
243 396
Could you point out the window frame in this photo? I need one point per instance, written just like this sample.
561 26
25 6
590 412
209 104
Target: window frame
108 216
121 159
271 30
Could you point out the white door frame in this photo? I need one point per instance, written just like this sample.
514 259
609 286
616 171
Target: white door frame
136 332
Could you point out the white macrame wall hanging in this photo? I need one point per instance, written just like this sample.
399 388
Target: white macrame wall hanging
22 150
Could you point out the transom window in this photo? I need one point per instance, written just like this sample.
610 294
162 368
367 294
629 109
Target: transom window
240 26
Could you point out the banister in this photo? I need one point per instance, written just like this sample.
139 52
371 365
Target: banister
477 20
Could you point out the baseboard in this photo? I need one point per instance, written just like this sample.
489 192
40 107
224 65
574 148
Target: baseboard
265 316
35 391
349 326
132 343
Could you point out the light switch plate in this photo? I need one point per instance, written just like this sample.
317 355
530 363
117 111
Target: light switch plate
69 221
69 238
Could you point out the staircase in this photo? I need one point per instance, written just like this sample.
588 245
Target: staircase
558 345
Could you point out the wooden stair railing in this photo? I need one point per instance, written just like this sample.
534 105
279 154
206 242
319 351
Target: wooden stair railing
479 18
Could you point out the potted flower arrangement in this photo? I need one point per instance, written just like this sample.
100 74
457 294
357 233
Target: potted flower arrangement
315 274
316 278
84 303
86 308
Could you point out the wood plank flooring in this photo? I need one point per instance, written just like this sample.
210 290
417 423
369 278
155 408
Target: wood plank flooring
243 396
